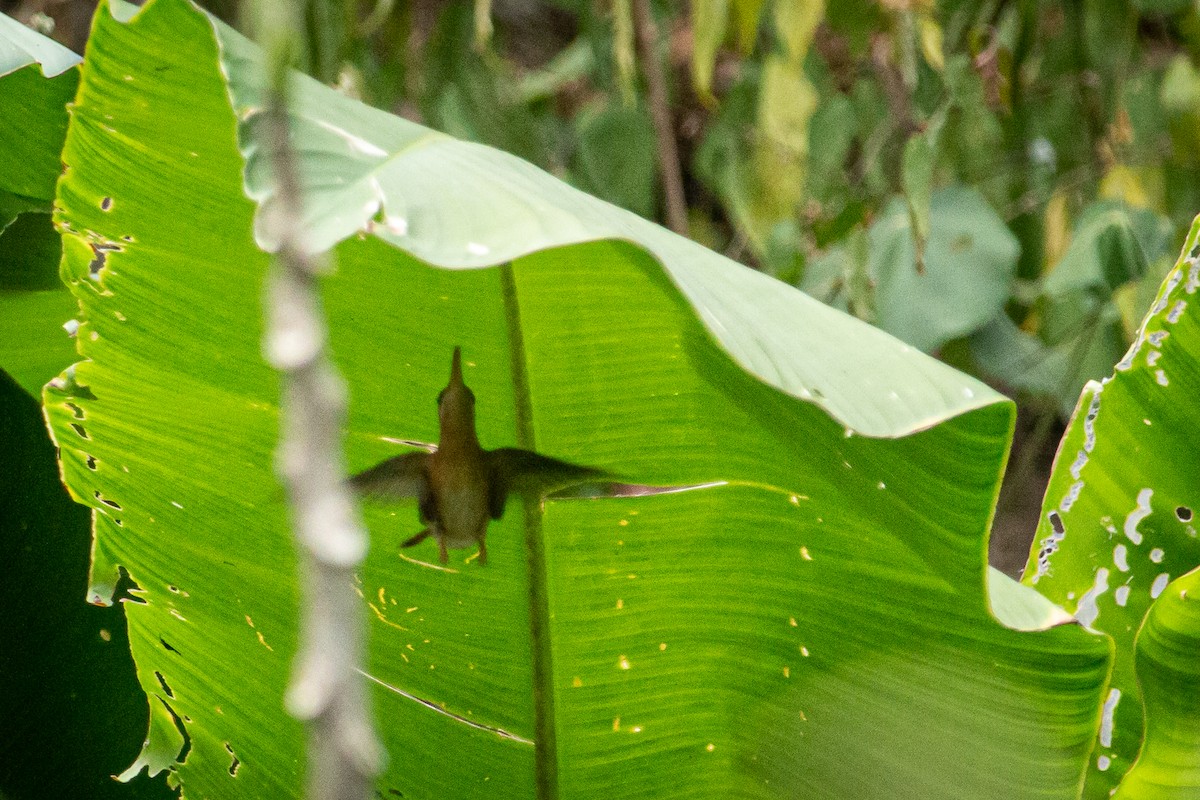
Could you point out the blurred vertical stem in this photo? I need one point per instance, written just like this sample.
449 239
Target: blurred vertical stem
623 48
674 205
327 689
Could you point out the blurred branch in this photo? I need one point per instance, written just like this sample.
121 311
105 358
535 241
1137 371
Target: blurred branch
674 204
327 690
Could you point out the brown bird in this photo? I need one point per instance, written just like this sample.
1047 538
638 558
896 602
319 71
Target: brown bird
460 486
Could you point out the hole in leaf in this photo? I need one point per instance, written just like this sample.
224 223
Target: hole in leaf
105 203
79 429
76 411
237 762
163 683
1183 514
67 385
107 502
1056 523
168 646
91 463
127 589
186 749
100 253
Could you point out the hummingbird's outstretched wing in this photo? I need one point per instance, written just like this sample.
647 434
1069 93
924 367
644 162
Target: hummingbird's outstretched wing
395 478
511 469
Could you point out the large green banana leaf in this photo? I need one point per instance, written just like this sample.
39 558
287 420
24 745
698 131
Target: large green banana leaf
814 620
71 711
1118 543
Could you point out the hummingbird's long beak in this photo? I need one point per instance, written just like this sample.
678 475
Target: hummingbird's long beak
456 378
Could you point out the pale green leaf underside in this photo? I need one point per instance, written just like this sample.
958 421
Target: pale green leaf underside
1118 530
368 171
20 46
816 624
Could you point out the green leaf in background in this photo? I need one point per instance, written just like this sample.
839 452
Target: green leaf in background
1021 360
969 267
37 79
917 178
787 101
574 63
1112 244
814 619
710 24
830 136
1117 542
710 19
36 82
1109 274
615 160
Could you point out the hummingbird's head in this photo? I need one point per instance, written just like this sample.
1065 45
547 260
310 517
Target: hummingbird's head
456 403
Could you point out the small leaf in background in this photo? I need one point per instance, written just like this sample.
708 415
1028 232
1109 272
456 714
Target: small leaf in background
920 154
1112 244
831 133
1179 94
786 103
973 137
710 29
970 264
615 160
1124 183
1097 289
1117 543
722 161
710 19
574 63
476 95
929 34
746 17
1163 7
1058 368
1019 359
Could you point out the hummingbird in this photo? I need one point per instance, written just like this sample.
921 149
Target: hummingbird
460 486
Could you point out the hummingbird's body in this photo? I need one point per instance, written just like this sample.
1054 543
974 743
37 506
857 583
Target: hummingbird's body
460 486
